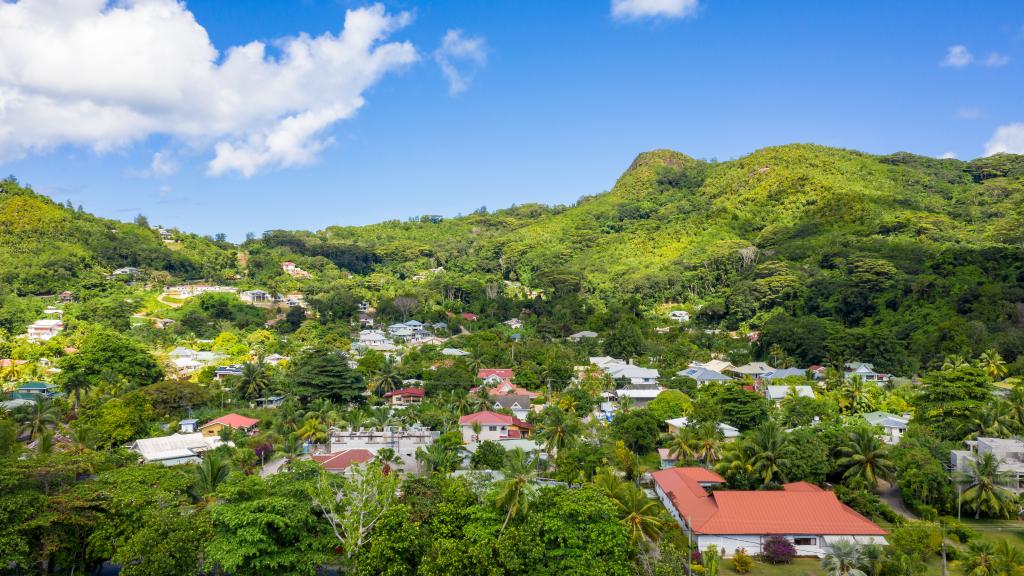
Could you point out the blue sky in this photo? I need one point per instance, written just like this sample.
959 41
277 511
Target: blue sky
558 98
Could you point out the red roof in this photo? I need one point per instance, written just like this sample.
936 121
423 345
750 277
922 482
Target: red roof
341 460
417 392
488 418
799 508
503 373
469 316
234 421
506 389
5 362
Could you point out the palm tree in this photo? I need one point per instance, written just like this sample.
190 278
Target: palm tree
76 383
994 421
313 430
515 491
681 445
254 380
985 493
291 448
769 447
558 429
438 458
1016 403
980 559
854 396
288 417
993 364
37 418
843 559
953 361
708 439
387 379
209 475
1009 559
641 514
865 457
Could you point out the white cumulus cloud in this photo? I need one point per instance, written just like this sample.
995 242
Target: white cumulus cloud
996 60
1007 138
637 9
162 165
948 155
957 57
105 74
458 57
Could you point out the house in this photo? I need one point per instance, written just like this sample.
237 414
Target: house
405 396
254 296
235 421
728 432
66 296
722 366
373 338
779 393
271 401
811 518
1009 452
182 352
514 323
223 372
185 366
584 335
339 462
703 375
43 330
493 426
454 352
469 316
495 376
16 403
785 373
619 369
126 271
176 448
519 405
864 371
400 330
754 369
666 459
893 426
365 319
817 371
291 269
33 390
188 426
276 359
640 395
504 388
679 315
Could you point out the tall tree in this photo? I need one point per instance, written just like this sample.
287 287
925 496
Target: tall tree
864 456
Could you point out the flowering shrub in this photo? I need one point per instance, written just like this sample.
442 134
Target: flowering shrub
777 550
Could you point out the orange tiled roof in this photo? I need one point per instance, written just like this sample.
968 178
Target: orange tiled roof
799 508
341 460
234 420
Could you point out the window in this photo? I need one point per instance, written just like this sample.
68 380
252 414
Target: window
492 428
807 541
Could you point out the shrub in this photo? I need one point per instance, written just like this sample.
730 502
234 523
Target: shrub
741 561
778 550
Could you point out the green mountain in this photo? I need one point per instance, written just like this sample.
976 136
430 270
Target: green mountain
46 247
829 253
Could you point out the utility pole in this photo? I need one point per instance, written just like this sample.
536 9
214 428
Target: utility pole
944 571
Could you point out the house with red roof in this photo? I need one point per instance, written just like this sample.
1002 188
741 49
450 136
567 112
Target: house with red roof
405 396
236 421
339 462
499 383
469 316
811 518
493 426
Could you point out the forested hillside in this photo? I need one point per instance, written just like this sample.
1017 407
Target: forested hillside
831 253
46 247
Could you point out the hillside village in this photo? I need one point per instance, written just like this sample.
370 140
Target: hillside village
383 401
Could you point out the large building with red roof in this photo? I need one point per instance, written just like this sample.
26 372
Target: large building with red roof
808 516
493 426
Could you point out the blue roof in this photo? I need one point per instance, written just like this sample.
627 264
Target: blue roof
785 373
703 374
37 386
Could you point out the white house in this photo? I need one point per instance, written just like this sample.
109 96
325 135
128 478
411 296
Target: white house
514 323
864 371
1009 452
43 330
493 426
755 369
728 432
176 448
893 426
811 518
641 395
454 352
679 315
583 335
519 405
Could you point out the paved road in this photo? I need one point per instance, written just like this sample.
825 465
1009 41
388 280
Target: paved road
890 494
272 467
